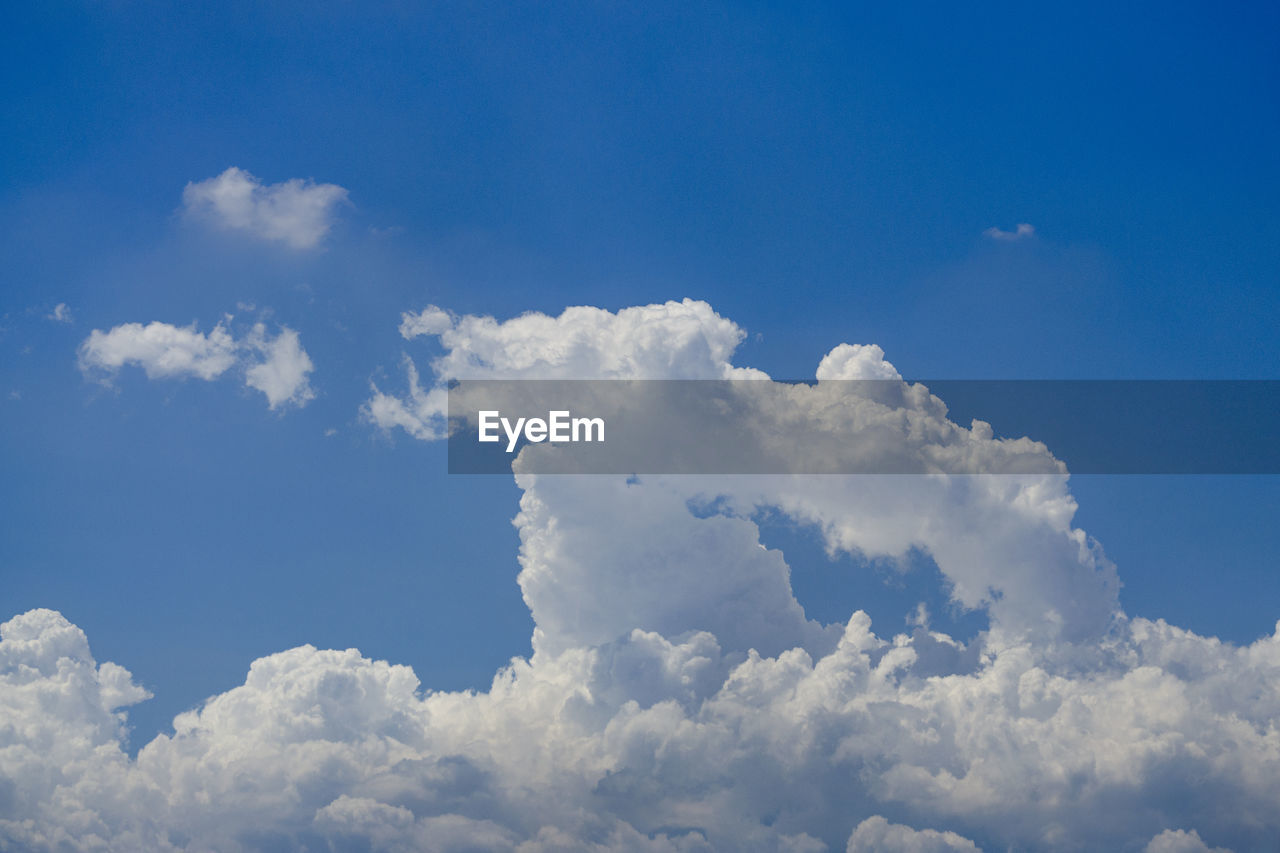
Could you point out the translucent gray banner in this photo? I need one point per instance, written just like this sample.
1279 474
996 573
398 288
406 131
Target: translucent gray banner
860 426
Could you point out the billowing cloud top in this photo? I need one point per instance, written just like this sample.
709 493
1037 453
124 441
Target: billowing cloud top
296 212
676 340
678 697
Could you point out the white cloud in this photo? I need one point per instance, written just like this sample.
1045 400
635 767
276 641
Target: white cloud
1180 841
161 349
61 732
1021 231
652 744
296 212
857 361
422 414
677 340
278 367
282 373
877 835
1067 591
60 313
429 321
678 697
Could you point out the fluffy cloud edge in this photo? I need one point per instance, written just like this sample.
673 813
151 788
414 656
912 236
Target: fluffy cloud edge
645 744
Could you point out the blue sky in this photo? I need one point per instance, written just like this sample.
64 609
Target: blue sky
819 176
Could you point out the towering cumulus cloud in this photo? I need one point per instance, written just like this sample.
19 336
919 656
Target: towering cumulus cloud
678 697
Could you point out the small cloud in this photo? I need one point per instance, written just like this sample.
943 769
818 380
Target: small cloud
422 415
919 618
330 432
15 395
1022 231
278 367
162 350
60 314
296 212
430 321
282 374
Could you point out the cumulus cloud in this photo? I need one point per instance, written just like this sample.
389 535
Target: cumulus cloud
162 350
649 744
277 366
60 313
1180 841
429 321
61 737
1003 543
282 372
675 340
678 697
1021 231
296 212
877 835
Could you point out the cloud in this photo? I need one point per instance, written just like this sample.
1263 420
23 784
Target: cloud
422 414
1022 231
877 835
429 321
162 350
61 732
278 367
674 340
60 313
296 212
1068 591
677 340
282 372
1180 841
648 744
678 697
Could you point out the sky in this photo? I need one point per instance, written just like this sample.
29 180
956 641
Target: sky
214 223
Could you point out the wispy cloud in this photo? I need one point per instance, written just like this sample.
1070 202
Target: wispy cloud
1021 231
60 314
